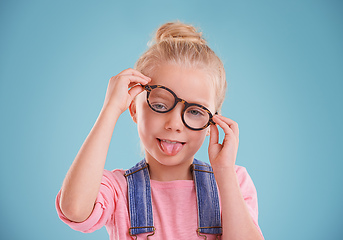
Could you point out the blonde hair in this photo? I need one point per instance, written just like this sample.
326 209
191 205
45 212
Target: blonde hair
182 44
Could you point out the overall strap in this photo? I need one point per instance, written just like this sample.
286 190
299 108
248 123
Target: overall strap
209 217
140 204
139 195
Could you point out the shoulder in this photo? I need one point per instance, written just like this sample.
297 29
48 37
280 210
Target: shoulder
240 170
114 181
245 182
117 174
249 193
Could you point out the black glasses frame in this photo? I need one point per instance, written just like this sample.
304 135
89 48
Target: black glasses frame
149 88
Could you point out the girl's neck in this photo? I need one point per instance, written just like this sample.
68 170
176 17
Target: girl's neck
166 173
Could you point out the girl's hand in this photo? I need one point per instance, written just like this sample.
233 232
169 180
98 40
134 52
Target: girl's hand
123 88
223 155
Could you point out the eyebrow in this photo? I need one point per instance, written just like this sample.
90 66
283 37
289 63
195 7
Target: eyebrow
198 101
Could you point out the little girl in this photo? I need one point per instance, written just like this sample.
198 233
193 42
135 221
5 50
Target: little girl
174 95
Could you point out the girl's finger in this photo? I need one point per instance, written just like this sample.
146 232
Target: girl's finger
132 84
232 124
227 130
134 91
214 135
133 80
133 72
223 125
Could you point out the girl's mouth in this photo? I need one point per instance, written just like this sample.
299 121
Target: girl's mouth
170 147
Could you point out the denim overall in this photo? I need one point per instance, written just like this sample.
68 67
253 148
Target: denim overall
139 194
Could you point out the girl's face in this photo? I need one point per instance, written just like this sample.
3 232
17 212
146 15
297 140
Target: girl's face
167 141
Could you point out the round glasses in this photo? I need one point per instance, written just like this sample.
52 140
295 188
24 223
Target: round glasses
162 100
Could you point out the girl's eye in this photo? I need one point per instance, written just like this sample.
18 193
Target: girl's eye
196 112
159 106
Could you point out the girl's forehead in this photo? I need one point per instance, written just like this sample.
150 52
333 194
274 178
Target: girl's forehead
190 84
180 77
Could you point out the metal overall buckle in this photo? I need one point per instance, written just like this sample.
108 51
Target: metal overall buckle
202 235
147 237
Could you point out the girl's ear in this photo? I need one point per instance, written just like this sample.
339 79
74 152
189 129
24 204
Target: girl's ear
132 109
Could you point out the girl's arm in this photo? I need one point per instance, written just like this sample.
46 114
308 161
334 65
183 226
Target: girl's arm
237 222
82 182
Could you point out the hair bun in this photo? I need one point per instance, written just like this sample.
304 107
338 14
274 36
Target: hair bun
178 31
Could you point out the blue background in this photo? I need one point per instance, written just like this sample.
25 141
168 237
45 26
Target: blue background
284 63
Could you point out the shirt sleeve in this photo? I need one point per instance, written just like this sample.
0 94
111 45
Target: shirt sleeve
249 193
103 209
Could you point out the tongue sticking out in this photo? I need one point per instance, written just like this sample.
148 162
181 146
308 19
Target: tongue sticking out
171 148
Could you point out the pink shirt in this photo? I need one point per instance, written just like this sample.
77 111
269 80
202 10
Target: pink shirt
174 207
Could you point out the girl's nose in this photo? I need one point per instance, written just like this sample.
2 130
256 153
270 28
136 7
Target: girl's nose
173 120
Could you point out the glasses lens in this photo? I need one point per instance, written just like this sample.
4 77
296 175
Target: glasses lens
161 100
196 117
